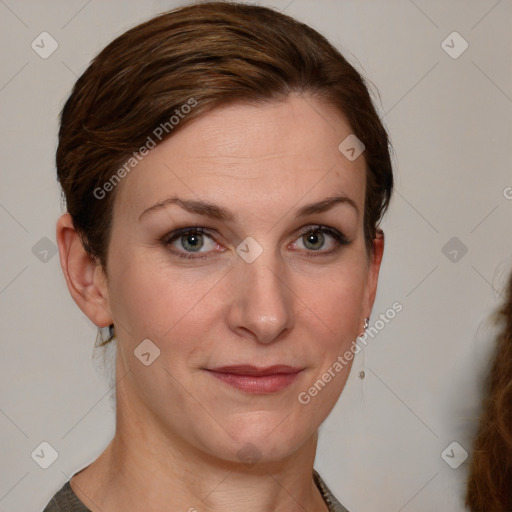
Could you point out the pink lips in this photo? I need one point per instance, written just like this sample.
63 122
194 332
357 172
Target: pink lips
257 380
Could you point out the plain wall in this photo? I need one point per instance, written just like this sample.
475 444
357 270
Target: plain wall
450 124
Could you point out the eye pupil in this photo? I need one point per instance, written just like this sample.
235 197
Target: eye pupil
192 241
315 239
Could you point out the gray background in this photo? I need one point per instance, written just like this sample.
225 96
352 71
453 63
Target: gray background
450 123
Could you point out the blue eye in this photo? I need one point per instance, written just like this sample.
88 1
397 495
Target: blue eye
188 241
192 241
314 239
196 243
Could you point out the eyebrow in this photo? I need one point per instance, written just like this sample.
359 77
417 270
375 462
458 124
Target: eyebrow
218 212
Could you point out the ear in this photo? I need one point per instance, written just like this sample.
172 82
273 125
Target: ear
373 272
85 277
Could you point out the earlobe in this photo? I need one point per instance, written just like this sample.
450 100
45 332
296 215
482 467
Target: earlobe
85 278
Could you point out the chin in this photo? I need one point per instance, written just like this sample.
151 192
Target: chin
259 440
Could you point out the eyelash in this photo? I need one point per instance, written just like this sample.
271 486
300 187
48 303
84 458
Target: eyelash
340 238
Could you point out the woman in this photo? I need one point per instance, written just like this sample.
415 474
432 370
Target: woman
225 172
490 479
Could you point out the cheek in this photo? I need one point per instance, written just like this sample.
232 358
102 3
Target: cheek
151 298
336 301
333 317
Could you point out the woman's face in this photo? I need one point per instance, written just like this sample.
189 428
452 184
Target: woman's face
272 272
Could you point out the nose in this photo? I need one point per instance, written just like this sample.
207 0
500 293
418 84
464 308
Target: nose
262 300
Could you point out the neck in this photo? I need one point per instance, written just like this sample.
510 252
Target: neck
145 469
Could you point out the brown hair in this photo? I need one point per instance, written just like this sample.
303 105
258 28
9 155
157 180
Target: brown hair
213 54
490 478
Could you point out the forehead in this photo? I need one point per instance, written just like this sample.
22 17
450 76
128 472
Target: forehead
250 156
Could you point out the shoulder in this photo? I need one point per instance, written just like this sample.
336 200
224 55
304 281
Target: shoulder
329 498
65 500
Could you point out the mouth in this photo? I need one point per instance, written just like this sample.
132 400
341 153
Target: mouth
254 380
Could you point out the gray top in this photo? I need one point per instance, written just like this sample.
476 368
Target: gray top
65 500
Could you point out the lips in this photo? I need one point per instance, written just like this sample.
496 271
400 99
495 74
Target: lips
253 370
254 380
